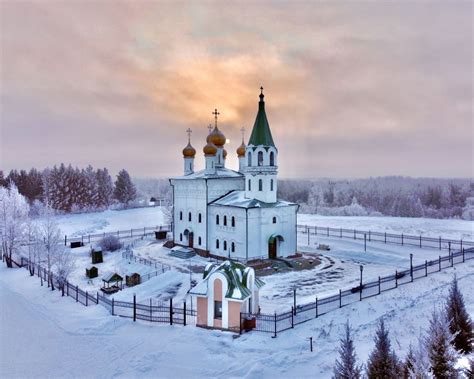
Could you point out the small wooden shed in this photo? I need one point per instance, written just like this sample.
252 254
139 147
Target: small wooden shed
133 279
92 272
113 282
96 255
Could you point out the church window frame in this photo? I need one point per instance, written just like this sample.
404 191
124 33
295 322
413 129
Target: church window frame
250 184
249 159
260 185
274 220
199 217
271 184
181 236
272 158
260 158
180 215
217 219
225 245
232 247
232 222
225 220
190 217
217 244
199 241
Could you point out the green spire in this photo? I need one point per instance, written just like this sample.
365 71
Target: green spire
261 134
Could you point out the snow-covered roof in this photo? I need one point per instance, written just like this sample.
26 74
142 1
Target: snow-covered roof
238 199
111 276
237 276
220 172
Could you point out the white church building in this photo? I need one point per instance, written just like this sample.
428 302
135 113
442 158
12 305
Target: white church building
234 214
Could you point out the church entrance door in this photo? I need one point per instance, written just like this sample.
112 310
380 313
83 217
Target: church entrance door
191 239
272 249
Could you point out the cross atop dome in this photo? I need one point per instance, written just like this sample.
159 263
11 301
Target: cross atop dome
215 113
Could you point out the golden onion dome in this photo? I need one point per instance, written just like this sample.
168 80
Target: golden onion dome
210 149
216 137
224 153
189 151
241 150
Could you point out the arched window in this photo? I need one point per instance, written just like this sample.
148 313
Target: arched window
272 158
250 185
217 219
225 220
260 158
181 216
274 220
225 245
189 216
180 236
199 240
200 218
233 221
232 247
271 184
217 244
260 185
249 159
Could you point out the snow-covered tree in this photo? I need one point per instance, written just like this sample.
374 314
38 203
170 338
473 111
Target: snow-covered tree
460 323
441 352
33 246
383 362
3 181
50 240
64 263
417 364
124 191
346 366
105 188
13 214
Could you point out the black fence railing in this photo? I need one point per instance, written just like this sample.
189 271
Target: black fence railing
388 238
122 234
159 267
162 312
279 322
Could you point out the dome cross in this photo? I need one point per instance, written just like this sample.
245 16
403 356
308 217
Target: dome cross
215 113
189 131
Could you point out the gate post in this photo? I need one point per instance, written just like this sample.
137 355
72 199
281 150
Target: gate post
402 239
439 263
87 298
274 336
426 268
112 306
184 313
396 279
379 285
77 293
292 321
134 307
171 311
463 256
316 307
340 298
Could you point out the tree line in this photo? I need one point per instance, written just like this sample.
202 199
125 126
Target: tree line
449 336
70 189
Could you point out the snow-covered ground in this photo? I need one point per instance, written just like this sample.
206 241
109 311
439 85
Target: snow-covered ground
43 335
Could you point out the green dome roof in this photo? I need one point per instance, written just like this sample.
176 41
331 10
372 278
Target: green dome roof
261 134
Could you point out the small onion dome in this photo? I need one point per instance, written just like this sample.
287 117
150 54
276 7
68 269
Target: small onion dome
217 137
224 153
210 149
241 150
189 151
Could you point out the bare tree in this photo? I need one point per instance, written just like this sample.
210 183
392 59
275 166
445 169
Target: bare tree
33 246
13 214
64 264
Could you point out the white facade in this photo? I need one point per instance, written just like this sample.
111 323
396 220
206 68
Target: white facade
234 214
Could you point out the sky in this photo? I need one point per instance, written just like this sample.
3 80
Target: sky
352 89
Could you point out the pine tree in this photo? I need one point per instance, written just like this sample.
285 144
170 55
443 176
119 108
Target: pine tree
383 363
409 363
3 181
441 353
460 323
125 190
347 367
105 188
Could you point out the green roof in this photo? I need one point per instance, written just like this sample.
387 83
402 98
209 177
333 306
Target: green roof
261 134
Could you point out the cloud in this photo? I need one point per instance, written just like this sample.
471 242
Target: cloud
352 89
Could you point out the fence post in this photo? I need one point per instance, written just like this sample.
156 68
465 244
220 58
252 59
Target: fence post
396 278
463 256
184 312
340 298
171 311
89 239
402 239
67 288
77 293
294 300
316 307
292 321
275 335
41 276
449 247
379 285
65 240
460 243
354 234
385 237
151 311
440 242
311 343
62 289
411 267
426 268
87 299
97 297
439 263
369 235
452 259
134 307
113 306
340 233
420 241
365 242
328 231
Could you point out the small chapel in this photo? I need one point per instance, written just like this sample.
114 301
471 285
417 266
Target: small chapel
233 214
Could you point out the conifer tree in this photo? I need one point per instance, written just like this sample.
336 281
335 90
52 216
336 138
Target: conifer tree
441 353
346 367
460 323
3 181
125 190
105 188
383 363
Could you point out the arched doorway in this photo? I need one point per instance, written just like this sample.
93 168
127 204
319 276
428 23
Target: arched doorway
189 235
274 245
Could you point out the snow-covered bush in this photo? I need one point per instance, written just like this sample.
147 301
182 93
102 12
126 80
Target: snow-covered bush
110 243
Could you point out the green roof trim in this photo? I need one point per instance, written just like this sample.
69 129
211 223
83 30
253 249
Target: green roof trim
261 134
274 237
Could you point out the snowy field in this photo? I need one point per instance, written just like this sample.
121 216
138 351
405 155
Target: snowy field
108 221
45 336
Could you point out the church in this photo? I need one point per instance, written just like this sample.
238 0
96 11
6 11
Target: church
231 214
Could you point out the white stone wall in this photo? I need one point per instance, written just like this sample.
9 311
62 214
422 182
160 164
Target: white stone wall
227 233
263 171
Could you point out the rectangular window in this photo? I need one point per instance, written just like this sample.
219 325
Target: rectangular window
217 309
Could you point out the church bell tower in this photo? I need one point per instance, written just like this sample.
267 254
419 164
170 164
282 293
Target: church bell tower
261 160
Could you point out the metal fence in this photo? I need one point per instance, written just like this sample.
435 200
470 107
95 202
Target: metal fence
160 267
389 238
162 312
277 323
128 233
